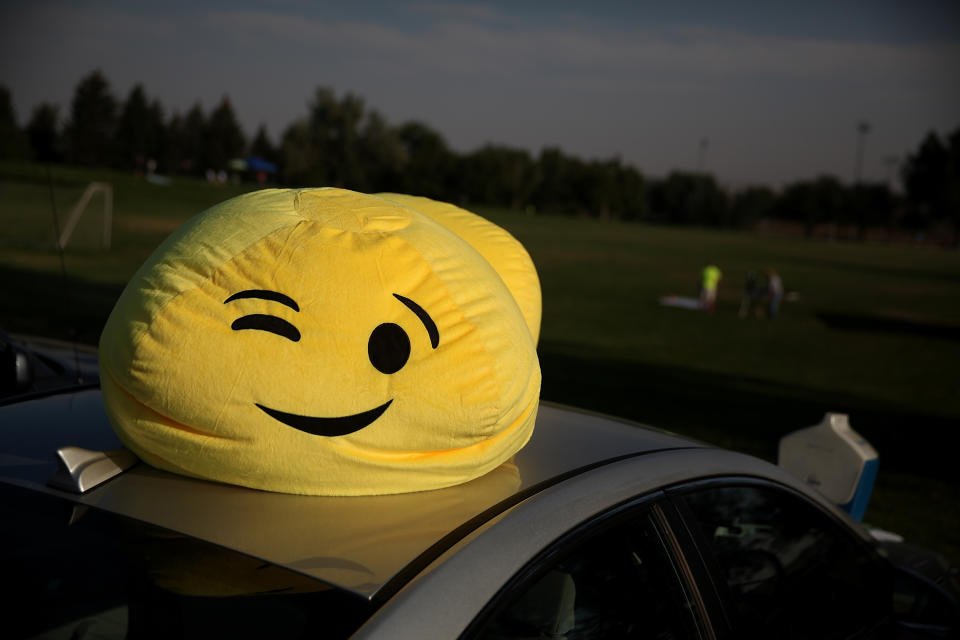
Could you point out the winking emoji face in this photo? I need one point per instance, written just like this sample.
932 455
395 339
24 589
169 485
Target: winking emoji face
323 342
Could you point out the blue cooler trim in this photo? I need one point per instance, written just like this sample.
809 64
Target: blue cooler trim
861 496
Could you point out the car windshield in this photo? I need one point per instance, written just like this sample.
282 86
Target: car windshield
73 571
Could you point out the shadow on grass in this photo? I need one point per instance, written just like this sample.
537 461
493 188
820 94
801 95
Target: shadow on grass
47 304
740 413
885 324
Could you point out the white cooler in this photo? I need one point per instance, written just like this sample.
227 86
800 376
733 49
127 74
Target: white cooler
835 460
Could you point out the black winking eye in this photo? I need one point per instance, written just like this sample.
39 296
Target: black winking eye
388 348
272 324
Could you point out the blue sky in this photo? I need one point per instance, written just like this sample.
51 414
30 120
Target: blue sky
776 89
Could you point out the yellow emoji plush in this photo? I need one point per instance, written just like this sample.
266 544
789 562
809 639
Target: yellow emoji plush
499 248
327 342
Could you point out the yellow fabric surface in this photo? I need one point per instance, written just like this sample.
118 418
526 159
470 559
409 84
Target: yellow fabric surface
495 244
279 388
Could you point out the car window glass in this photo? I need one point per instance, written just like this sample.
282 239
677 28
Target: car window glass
919 603
618 583
76 572
791 571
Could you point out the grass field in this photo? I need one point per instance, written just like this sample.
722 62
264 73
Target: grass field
874 330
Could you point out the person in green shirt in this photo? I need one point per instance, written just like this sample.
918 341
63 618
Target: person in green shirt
710 281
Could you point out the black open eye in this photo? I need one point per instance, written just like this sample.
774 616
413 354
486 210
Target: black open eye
388 348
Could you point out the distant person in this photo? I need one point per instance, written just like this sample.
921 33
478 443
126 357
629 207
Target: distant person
751 291
709 283
774 293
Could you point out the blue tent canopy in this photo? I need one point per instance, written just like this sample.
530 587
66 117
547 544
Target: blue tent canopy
259 164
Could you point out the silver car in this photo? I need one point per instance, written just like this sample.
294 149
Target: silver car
598 529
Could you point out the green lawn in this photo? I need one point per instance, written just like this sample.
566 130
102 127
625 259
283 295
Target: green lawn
874 330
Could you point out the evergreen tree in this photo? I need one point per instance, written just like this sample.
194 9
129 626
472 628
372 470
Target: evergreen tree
13 141
158 139
190 141
44 133
171 158
136 136
90 133
261 147
931 176
223 139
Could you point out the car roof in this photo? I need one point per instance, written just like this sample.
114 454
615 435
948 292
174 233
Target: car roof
358 544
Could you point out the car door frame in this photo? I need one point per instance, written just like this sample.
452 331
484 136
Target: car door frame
703 549
444 598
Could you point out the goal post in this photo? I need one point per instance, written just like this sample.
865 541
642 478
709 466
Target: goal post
104 188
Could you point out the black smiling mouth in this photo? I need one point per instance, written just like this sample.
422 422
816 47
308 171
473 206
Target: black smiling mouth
388 350
339 426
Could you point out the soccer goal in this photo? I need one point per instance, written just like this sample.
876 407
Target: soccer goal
104 188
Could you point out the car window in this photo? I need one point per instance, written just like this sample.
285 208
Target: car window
618 582
792 572
76 572
921 604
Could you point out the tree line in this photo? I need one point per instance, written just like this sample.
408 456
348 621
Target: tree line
341 141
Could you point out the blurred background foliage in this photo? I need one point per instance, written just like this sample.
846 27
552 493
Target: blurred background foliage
341 141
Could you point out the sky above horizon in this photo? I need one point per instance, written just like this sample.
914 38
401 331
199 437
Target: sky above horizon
776 91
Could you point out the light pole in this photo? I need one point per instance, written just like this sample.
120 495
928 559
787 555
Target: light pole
862 130
704 143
